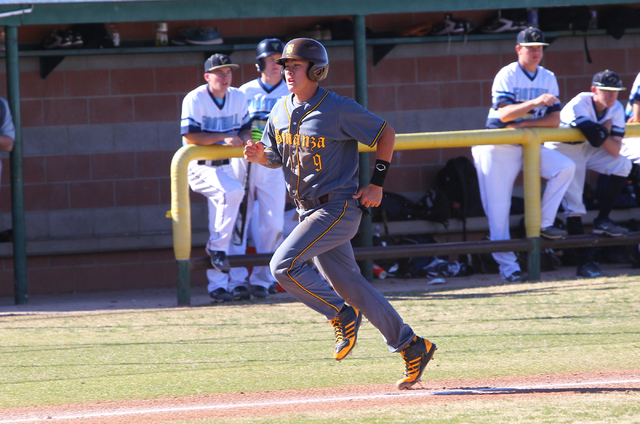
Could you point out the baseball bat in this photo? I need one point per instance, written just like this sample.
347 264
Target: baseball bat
241 220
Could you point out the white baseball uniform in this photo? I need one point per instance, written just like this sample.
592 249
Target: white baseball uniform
201 113
579 111
266 185
631 146
6 123
499 165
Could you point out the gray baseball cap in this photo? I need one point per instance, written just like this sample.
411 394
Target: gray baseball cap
218 60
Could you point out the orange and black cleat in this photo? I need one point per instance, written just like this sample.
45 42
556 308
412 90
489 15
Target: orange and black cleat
416 356
346 326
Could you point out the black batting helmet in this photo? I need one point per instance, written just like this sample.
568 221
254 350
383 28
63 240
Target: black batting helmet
310 51
267 47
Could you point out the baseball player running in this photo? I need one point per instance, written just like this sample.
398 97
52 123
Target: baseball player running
216 113
266 185
600 117
524 94
313 134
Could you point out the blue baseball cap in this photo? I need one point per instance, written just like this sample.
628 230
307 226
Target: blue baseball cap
607 80
531 37
218 60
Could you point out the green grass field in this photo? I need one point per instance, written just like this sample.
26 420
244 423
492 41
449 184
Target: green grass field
506 330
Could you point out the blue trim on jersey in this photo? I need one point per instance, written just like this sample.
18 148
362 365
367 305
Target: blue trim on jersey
269 88
582 122
618 132
504 98
215 99
527 73
188 125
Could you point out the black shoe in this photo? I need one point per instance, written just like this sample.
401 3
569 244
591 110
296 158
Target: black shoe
590 270
517 277
416 356
219 260
220 295
346 326
259 292
273 288
240 293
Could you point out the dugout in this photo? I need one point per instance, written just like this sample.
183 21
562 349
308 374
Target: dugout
84 209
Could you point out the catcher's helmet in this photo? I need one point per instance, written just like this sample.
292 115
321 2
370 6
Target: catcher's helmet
267 47
310 51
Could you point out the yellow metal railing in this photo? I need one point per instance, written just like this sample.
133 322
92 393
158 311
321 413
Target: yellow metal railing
529 138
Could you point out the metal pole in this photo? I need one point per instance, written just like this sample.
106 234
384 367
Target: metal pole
184 282
365 238
532 216
17 181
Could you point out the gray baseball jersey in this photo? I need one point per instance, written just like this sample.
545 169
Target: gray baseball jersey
318 142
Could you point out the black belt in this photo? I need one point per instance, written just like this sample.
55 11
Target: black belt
575 142
214 162
310 204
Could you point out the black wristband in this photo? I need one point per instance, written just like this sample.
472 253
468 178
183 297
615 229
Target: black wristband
379 172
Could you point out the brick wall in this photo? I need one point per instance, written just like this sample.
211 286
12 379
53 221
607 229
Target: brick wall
100 131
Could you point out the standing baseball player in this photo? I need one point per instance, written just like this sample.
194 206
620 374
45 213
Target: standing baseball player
266 185
313 134
600 117
524 94
216 113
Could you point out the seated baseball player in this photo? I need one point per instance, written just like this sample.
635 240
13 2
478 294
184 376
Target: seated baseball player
600 117
524 94
216 113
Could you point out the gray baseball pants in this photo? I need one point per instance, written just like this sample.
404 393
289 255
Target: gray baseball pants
324 234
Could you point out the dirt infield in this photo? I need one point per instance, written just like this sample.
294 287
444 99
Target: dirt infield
261 404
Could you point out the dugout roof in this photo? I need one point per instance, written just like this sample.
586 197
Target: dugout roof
74 11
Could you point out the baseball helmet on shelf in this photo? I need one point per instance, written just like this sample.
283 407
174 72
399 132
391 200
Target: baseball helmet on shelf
308 50
266 48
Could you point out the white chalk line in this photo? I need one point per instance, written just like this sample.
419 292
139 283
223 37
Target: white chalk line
408 393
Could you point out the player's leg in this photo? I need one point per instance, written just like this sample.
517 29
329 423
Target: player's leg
339 266
223 193
559 171
631 149
317 232
572 200
497 167
271 195
618 168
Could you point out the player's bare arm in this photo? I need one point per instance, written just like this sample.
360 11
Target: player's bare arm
551 120
6 143
508 113
209 139
255 152
371 195
635 118
613 143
